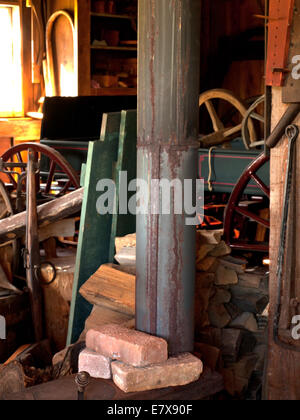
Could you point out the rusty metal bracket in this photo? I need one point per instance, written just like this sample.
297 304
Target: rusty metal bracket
279 23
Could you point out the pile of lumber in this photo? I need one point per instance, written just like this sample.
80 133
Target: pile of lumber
231 315
112 292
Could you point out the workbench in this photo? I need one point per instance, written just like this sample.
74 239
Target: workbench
20 129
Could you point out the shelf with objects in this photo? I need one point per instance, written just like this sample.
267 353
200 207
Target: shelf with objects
113 49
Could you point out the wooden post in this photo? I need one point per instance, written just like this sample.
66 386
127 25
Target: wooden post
283 370
32 249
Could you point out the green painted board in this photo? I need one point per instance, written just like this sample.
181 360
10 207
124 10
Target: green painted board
95 229
96 240
127 161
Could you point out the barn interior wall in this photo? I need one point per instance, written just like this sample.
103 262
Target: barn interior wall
232 46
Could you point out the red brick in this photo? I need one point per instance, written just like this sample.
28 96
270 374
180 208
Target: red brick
95 364
129 346
177 371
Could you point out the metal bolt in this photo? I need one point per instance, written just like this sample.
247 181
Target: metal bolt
82 380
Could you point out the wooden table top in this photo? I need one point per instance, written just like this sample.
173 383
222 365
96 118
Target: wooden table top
208 385
20 128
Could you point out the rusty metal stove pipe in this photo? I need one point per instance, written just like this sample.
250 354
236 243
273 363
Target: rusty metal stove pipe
168 90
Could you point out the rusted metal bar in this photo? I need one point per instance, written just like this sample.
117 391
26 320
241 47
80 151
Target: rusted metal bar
168 94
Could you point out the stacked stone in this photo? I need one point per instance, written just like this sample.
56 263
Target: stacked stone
135 361
231 302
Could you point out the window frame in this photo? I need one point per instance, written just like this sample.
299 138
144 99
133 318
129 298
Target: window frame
20 113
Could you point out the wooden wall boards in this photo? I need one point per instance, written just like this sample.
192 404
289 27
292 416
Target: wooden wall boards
280 18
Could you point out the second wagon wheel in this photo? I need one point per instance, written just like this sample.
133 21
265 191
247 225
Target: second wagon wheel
220 102
55 175
239 210
252 113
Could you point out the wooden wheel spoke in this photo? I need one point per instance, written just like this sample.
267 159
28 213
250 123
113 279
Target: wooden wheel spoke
220 136
50 176
66 187
217 123
232 224
4 213
233 130
261 185
13 181
19 156
221 133
257 117
252 216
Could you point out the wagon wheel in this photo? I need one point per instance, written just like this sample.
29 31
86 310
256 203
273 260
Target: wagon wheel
236 210
6 210
55 175
245 125
224 131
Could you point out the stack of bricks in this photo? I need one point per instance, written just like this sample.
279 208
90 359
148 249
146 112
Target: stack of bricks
135 361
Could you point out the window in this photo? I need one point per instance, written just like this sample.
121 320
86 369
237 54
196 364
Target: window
10 61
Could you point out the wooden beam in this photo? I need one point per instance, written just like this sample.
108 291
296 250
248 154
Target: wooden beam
20 128
283 371
14 226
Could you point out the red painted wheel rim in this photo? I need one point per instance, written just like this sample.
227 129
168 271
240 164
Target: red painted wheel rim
233 207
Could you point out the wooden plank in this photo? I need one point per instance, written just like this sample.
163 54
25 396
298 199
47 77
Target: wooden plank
14 227
208 385
291 89
127 161
116 151
20 128
101 316
111 287
61 228
283 371
280 18
92 252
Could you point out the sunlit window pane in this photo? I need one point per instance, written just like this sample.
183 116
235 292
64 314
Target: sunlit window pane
10 61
